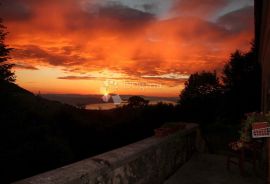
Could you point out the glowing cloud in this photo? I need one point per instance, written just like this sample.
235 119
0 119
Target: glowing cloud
150 41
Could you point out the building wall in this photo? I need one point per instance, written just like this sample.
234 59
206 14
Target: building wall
149 161
264 50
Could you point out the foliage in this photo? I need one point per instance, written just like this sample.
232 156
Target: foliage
5 69
245 133
137 102
219 104
242 81
200 85
6 74
200 98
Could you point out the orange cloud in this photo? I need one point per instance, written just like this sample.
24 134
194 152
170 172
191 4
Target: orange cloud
86 36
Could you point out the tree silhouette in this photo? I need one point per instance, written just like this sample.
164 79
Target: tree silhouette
200 98
200 85
5 68
242 81
137 101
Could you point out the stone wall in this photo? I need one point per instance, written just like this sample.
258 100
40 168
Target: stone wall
151 160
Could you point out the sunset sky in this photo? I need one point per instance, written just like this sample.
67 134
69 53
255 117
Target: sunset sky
147 47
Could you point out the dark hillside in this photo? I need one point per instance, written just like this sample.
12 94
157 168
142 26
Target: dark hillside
37 134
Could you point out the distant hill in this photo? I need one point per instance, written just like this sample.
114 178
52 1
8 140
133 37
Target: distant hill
76 99
23 101
6 87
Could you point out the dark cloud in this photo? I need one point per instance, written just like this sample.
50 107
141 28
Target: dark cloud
87 77
15 10
197 30
165 79
239 20
140 81
123 13
24 66
149 7
75 15
38 54
77 77
110 16
199 8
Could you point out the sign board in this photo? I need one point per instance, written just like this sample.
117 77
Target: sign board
260 130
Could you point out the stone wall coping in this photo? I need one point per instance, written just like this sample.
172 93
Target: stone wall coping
98 164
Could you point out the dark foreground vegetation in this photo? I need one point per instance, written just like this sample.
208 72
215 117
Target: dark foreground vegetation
219 104
39 135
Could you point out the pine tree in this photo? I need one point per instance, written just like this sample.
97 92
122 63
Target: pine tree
5 68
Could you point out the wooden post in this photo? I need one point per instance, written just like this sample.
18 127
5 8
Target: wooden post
268 160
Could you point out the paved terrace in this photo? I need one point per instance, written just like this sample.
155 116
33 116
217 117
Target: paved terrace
211 169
